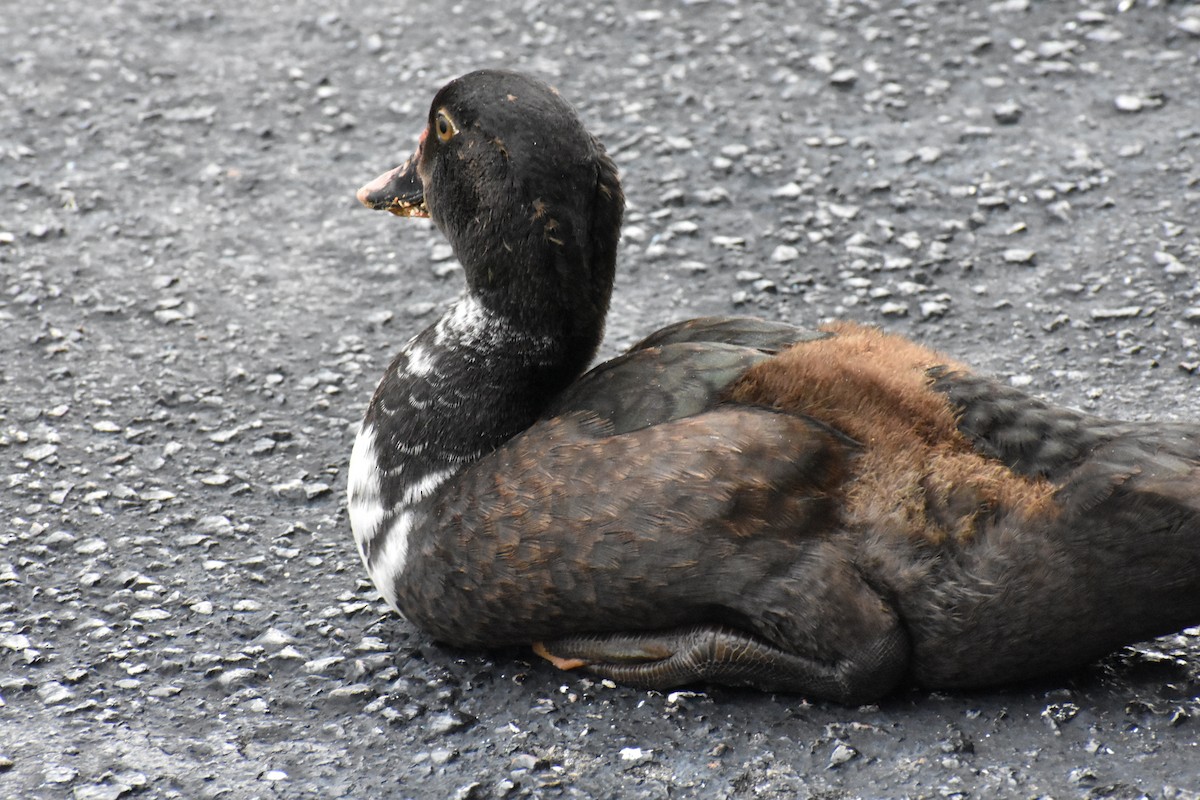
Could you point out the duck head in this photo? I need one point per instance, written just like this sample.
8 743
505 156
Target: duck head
528 199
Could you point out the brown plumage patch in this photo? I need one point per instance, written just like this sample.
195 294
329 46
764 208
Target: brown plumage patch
918 475
548 231
542 212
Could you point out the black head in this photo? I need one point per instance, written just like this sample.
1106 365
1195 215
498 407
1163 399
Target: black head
527 197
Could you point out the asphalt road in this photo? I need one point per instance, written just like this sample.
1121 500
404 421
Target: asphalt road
194 311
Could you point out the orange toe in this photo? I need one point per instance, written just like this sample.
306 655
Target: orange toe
561 663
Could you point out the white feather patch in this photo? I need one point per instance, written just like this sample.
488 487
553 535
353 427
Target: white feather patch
363 495
364 501
391 557
427 486
467 320
420 362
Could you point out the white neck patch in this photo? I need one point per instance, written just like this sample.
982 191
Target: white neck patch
468 321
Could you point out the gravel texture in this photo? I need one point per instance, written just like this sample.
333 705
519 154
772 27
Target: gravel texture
194 311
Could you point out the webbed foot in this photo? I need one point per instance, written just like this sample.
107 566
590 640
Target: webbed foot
723 655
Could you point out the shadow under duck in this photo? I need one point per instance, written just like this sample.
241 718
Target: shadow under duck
832 512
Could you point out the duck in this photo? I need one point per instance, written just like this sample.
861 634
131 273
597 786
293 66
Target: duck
834 512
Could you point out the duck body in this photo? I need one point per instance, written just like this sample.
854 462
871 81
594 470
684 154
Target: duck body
828 512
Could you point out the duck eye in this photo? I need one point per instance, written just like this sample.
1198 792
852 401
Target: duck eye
444 126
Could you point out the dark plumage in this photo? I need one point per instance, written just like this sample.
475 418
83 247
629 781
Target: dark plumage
827 512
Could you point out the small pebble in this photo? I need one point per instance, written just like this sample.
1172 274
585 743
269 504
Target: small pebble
316 489
635 755
319 665
54 693
1189 25
449 722
419 309
150 615
290 490
1124 312
844 212
469 791
40 452
932 309
225 436
529 762
236 678
442 756
1128 103
1007 113
273 637
214 524
60 774
1057 714
843 78
709 197
101 791
1017 255
928 154
956 742
16 641
784 253
90 547
1081 775
841 754
289 653
788 191
633 233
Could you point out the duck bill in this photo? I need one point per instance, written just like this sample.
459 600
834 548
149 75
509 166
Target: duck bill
398 191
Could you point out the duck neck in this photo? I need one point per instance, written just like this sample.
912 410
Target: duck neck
460 389
539 277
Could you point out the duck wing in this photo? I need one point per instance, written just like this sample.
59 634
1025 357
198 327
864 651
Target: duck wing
676 372
1026 434
760 334
1066 446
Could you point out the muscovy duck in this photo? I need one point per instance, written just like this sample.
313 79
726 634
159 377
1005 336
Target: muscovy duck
832 512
